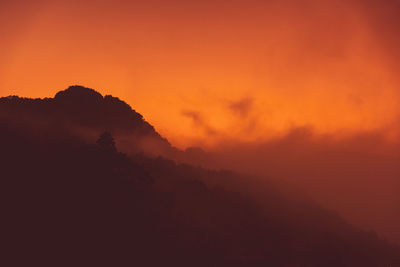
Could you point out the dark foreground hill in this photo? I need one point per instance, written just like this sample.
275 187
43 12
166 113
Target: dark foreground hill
70 201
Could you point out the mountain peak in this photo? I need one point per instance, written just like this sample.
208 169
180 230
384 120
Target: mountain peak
78 92
86 113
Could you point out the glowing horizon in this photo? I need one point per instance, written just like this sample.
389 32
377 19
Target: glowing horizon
206 72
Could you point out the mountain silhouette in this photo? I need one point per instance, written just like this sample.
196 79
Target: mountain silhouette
73 199
85 113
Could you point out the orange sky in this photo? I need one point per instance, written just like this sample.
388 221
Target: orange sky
210 70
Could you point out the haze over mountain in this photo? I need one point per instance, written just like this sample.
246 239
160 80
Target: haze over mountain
72 198
342 174
217 133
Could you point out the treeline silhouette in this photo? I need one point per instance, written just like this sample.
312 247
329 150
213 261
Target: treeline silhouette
75 201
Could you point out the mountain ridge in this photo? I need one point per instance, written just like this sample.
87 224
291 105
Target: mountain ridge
88 113
71 199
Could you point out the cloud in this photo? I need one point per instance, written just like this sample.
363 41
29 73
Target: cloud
199 121
242 107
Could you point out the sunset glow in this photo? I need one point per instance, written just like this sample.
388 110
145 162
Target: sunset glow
201 133
205 71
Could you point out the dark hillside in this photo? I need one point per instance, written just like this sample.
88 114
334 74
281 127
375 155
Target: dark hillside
84 113
71 202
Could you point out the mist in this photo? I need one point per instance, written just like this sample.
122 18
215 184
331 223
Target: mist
356 175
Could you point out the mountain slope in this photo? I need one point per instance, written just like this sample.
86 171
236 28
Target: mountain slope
85 113
71 201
